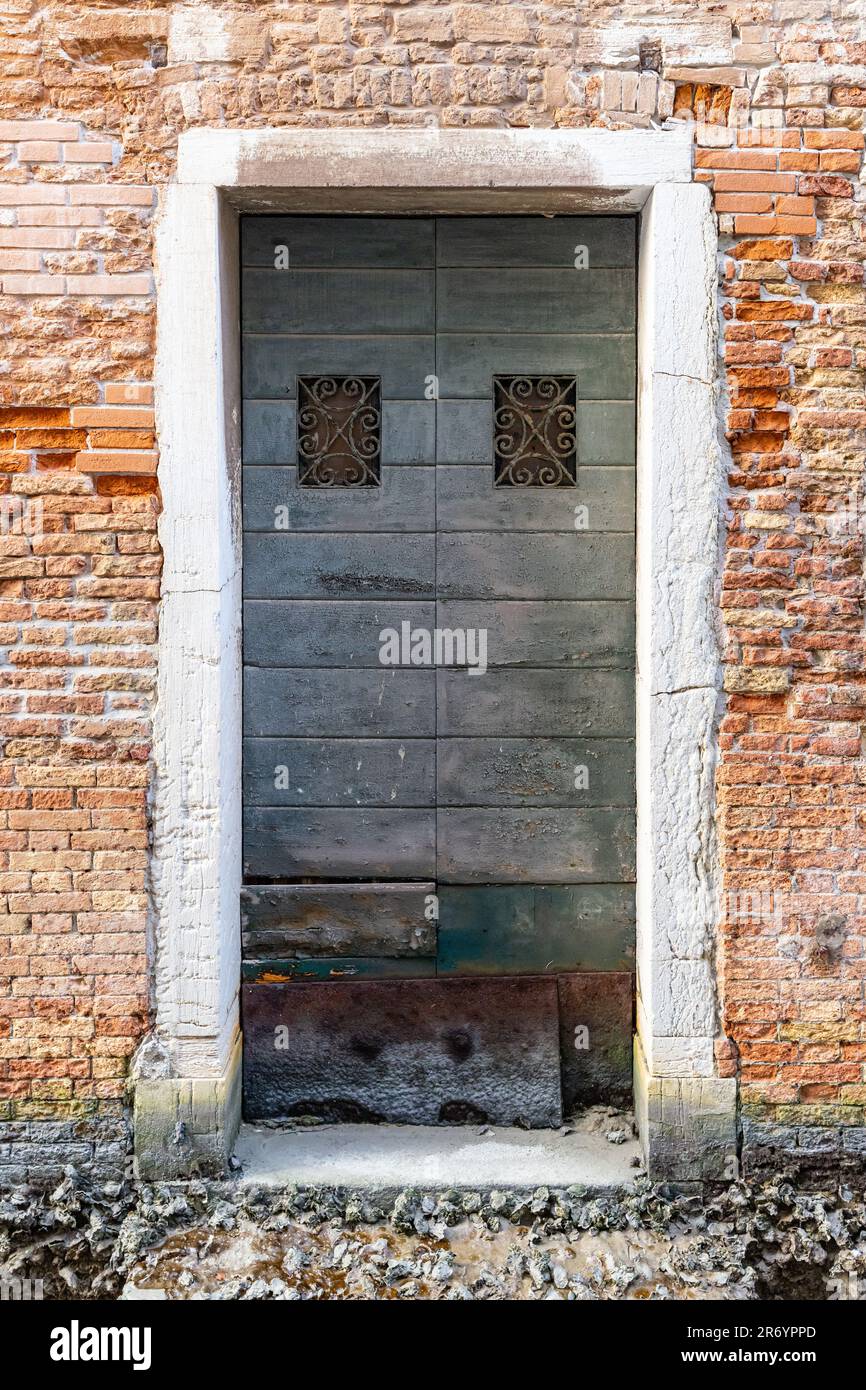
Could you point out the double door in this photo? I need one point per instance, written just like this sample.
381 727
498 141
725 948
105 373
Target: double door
438 512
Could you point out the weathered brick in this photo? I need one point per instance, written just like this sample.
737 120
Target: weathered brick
39 152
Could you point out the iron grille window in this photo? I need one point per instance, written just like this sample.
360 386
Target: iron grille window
535 431
339 431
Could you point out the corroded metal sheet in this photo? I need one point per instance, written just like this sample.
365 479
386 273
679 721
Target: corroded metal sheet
404 1051
595 1020
281 969
338 919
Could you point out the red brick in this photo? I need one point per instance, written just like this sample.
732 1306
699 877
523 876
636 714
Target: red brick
773 249
88 152
843 161
808 270
111 415
743 202
773 309
826 185
736 159
128 393
755 183
39 152
108 284
848 96
776 226
795 206
804 160
116 461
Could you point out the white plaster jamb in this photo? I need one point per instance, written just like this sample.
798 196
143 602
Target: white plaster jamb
678 667
196 861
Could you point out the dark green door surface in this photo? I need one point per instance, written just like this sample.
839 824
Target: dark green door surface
438 513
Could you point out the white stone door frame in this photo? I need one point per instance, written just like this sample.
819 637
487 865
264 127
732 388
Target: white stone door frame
187 1088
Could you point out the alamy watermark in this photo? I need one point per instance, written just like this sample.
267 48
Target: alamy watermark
21 516
441 646
17 1290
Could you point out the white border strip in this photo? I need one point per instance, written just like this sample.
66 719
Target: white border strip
418 159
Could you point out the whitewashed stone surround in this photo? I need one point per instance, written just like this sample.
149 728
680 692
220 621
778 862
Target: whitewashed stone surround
188 1070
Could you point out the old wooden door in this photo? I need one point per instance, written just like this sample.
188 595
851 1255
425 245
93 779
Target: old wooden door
438 509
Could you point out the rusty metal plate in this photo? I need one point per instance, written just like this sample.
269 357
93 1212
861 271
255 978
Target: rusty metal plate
404 1051
280 969
595 1018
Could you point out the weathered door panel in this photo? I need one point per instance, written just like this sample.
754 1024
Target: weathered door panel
534 771
573 635
536 241
338 842
329 791
521 700
407 494
465 363
549 300
523 930
521 565
316 243
533 845
337 301
279 632
273 362
344 567
343 703
466 502
329 919
535 758
340 771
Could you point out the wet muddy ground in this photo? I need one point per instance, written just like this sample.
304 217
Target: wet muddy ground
466 1261
233 1239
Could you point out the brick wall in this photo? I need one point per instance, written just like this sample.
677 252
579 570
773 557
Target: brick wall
92 99
79 584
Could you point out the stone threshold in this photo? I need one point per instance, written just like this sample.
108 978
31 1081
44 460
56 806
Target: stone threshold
390 1158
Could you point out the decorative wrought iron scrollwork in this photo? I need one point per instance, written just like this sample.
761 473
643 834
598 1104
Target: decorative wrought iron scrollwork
339 431
535 431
